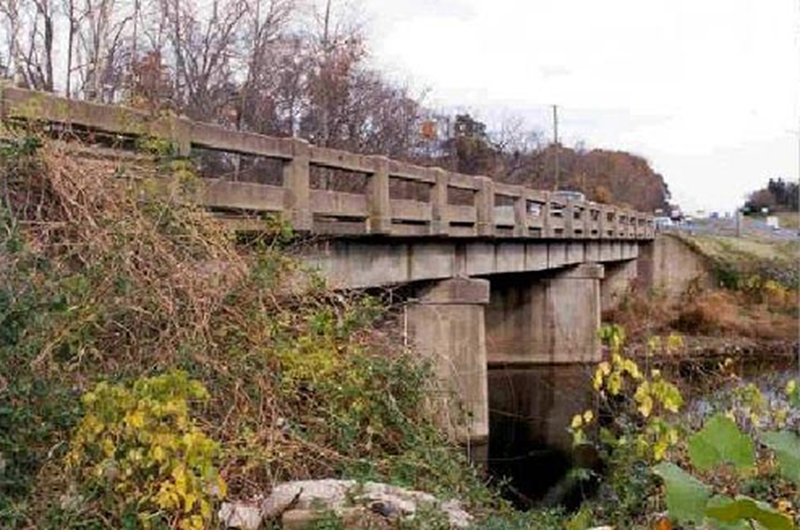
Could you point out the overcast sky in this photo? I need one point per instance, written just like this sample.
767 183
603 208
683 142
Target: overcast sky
707 90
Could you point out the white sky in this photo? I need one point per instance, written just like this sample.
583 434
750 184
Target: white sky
707 90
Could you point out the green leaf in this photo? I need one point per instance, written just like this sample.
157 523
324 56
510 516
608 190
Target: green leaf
720 501
786 446
686 496
747 509
719 441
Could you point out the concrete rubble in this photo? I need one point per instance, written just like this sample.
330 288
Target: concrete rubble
304 500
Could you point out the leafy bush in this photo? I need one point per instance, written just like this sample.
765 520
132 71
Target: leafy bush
738 470
722 453
632 430
139 451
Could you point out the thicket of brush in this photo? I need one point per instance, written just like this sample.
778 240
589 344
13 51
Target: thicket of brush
108 274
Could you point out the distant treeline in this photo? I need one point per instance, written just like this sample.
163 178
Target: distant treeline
779 195
284 68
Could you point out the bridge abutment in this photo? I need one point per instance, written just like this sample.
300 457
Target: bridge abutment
447 325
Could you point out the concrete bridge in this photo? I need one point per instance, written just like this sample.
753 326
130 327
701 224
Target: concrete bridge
504 280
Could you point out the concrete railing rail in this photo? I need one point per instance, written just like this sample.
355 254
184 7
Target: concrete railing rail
496 210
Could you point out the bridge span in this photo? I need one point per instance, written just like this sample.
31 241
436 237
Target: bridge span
505 278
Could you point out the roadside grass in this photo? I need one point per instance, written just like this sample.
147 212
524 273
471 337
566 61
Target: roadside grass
789 220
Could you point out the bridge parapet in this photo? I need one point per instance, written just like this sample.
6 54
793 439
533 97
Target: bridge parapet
494 209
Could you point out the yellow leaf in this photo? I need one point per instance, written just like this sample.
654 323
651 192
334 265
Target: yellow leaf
222 488
158 453
135 419
108 447
614 383
646 406
188 502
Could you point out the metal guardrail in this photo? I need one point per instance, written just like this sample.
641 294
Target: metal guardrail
527 213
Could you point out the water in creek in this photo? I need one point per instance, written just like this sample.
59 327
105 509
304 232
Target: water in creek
530 409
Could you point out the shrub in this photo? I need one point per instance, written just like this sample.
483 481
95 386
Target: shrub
138 451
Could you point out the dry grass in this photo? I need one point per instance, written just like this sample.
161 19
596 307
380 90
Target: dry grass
767 315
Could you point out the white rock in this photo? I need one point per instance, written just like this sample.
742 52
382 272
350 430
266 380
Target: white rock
240 515
329 493
332 494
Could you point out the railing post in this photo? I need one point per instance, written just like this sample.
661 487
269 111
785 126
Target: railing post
440 225
298 189
183 137
484 202
521 213
545 213
378 202
569 219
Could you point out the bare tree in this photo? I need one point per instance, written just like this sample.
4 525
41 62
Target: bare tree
9 9
104 46
33 57
205 54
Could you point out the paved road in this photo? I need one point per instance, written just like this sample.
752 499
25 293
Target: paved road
755 228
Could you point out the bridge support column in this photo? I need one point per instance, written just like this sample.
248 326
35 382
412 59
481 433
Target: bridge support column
447 325
551 320
618 280
543 346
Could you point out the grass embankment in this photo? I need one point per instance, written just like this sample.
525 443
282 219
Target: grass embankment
755 295
226 366
789 220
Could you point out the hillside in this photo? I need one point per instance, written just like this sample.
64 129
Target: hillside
602 175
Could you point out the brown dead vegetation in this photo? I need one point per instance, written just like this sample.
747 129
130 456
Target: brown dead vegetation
769 314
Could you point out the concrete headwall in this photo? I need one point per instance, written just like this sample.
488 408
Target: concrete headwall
670 265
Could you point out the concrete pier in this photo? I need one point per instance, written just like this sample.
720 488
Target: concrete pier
447 325
545 320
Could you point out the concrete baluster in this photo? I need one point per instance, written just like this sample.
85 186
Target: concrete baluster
298 188
520 213
440 224
182 131
545 213
569 219
484 202
380 215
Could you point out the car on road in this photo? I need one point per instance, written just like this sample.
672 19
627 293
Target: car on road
566 195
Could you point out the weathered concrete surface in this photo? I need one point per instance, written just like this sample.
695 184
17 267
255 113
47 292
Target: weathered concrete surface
357 263
548 319
447 325
670 265
620 278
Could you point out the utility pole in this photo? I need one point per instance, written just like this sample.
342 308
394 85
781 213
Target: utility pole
798 251
555 144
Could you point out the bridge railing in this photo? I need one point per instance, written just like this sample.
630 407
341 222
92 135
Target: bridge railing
493 209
